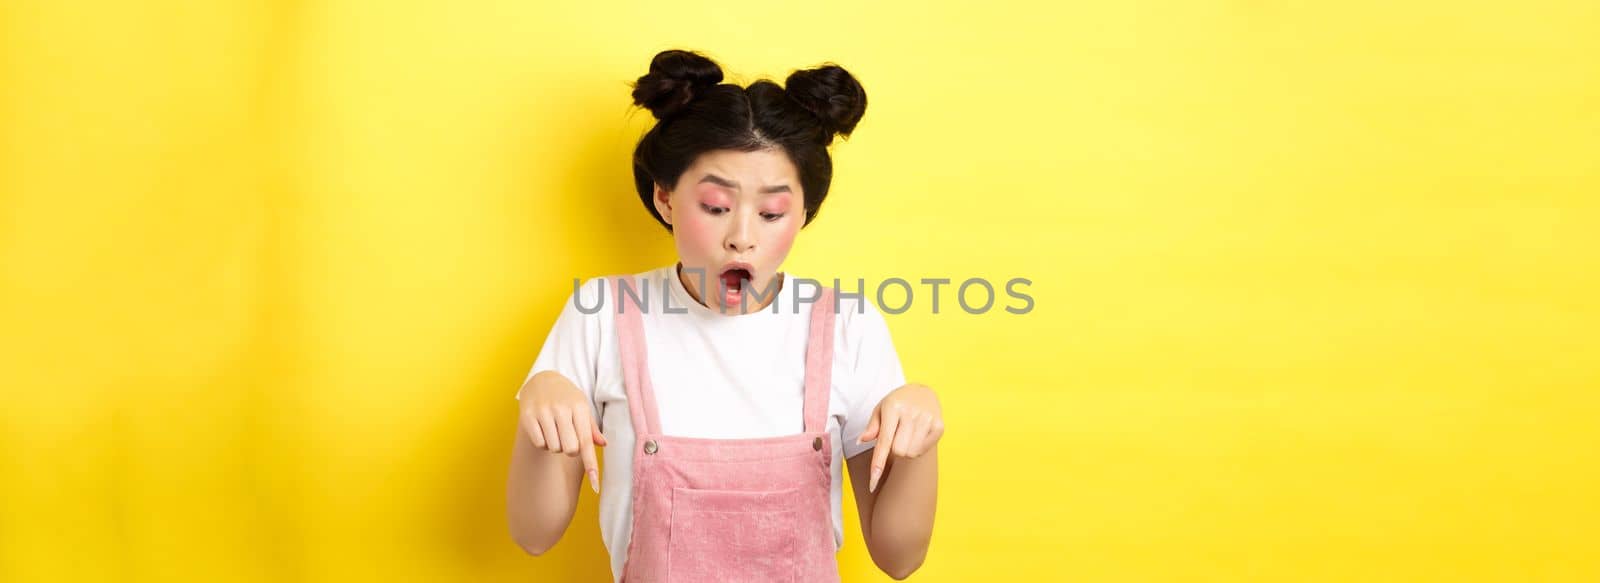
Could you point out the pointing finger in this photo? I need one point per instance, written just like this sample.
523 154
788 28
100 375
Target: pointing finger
580 422
880 453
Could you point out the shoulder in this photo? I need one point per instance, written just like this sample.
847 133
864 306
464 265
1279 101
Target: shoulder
600 290
857 321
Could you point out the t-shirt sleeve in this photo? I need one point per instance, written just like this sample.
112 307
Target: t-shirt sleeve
573 346
875 369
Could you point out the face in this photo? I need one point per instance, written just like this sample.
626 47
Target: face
730 210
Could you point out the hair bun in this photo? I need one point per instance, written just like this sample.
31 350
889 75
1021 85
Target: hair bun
675 77
830 93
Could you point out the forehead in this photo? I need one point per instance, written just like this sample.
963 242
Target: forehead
751 170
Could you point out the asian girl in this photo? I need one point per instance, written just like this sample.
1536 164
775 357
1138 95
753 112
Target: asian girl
731 397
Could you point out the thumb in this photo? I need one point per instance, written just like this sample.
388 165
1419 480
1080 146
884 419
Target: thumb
871 432
599 438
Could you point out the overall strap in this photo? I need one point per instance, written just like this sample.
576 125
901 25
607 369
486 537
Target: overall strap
819 362
635 363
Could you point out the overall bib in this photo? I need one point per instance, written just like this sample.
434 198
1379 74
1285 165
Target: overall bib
730 509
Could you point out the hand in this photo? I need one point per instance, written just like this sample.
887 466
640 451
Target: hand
555 412
910 422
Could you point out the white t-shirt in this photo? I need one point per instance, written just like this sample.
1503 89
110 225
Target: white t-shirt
717 376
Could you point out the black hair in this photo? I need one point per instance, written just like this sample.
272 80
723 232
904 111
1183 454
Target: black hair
696 113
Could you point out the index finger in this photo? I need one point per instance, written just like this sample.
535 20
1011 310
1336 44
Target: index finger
582 424
888 425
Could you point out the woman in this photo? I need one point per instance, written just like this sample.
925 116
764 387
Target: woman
728 395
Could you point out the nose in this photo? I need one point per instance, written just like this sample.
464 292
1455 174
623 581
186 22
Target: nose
741 236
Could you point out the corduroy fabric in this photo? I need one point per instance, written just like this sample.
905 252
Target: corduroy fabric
729 509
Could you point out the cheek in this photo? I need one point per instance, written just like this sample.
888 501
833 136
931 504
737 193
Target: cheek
695 231
783 239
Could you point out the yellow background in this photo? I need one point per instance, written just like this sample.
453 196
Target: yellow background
1315 283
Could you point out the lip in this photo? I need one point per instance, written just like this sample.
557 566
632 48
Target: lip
738 265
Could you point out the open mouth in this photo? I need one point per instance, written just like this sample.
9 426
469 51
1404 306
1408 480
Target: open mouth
735 278
734 281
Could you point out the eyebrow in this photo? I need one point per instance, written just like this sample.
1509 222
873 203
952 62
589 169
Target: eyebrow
720 181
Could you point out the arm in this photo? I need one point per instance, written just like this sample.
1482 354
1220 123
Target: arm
548 461
897 504
541 493
897 520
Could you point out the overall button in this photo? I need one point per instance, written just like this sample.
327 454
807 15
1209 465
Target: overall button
650 446
816 444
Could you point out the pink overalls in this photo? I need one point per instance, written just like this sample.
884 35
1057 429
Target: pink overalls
730 509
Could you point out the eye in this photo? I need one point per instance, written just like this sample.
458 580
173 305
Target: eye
714 210
770 217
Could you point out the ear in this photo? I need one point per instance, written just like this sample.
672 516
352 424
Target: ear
663 200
